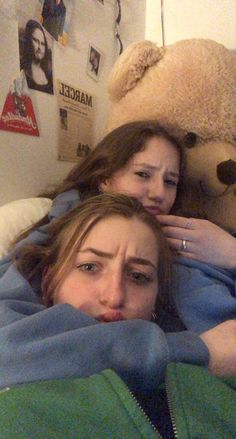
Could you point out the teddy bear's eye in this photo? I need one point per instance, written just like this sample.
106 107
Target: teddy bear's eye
190 140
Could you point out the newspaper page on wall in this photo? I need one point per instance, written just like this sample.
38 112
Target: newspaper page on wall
75 112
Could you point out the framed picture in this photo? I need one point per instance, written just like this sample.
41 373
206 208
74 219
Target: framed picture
35 49
94 62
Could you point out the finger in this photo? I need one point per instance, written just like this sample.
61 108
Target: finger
176 221
186 250
188 255
178 233
177 244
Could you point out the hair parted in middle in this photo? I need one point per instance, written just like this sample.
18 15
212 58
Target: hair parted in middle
110 155
113 153
28 50
67 233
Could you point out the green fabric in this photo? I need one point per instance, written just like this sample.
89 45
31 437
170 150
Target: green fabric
203 406
99 406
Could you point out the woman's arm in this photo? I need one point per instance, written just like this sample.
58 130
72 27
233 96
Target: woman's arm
48 343
205 241
38 343
204 296
221 344
41 344
45 343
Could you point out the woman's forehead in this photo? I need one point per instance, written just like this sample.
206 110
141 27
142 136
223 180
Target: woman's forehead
115 233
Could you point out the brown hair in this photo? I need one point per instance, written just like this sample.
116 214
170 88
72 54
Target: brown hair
109 156
67 233
112 154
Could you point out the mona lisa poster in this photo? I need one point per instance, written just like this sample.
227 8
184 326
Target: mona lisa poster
36 56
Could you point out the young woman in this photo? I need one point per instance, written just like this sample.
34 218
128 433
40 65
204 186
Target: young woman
148 163
106 261
123 277
141 159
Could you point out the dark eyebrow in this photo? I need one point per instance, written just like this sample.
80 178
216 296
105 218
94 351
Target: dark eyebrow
131 259
146 165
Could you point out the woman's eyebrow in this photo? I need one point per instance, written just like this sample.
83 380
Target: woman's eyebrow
151 167
141 261
96 252
131 259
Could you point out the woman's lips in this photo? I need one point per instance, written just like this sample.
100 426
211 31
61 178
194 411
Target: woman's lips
154 210
111 316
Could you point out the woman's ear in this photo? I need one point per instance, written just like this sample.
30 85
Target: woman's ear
104 186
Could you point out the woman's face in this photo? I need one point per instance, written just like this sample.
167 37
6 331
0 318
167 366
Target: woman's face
38 43
114 274
151 176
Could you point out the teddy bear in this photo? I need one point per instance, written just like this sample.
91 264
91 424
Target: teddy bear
190 88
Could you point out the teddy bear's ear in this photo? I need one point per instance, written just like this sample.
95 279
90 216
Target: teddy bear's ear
130 67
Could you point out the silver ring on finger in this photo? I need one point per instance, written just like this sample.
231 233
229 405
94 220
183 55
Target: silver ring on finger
184 245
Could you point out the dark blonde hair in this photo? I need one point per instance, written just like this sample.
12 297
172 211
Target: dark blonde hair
67 233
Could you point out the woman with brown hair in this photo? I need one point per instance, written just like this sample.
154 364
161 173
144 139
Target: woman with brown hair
139 159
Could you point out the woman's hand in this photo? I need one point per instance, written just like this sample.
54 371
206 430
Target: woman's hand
221 342
200 239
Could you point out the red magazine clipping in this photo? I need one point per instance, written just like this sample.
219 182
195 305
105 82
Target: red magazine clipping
18 113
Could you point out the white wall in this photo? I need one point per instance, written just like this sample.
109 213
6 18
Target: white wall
29 165
214 19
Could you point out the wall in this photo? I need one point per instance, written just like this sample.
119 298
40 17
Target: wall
214 19
29 165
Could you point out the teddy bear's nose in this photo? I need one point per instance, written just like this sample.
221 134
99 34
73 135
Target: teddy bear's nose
226 172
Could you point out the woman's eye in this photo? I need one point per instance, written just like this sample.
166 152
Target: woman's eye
142 174
88 267
171 182
138 277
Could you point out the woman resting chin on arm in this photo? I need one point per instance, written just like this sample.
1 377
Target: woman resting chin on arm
101 287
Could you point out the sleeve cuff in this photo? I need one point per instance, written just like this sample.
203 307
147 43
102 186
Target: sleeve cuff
187 347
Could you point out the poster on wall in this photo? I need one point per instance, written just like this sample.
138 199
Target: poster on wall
75 115
18 113
94 62
36 55
55 16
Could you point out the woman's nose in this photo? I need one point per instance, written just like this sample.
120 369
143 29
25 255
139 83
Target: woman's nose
112 291
157 190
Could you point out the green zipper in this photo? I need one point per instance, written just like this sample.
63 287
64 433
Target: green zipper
171 410
145 414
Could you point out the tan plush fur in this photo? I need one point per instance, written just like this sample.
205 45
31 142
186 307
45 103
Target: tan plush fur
189 87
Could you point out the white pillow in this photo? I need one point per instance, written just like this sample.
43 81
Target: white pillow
18 216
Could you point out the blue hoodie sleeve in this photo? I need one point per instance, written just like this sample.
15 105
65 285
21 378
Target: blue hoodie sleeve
47 343
205 296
